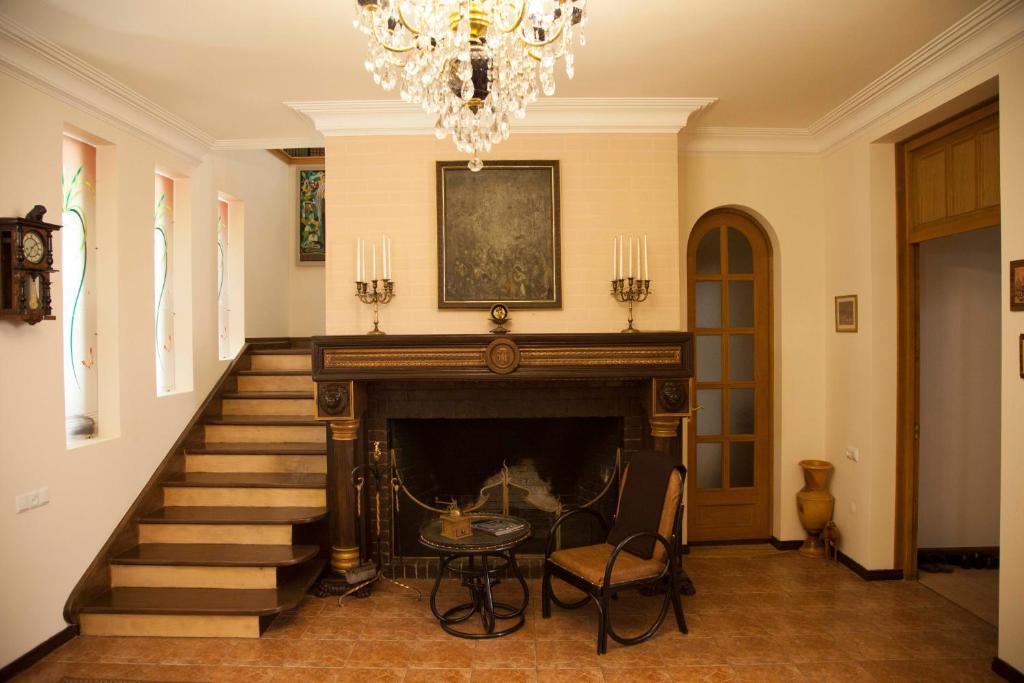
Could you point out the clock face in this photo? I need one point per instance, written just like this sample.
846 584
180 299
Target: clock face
33 247
499 312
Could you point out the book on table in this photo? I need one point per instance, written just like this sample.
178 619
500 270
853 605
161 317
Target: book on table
497 527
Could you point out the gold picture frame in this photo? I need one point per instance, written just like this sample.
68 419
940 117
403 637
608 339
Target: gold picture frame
846 313
498 235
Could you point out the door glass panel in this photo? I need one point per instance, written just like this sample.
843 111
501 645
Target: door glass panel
709 358
709 304
741 357
741 411
741 303
709 465
709 254
741 259
741 464
709 420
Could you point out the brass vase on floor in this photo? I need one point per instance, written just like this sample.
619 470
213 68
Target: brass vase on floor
815 504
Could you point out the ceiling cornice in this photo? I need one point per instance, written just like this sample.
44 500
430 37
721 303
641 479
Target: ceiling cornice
548 115
313 140
41 63
979 38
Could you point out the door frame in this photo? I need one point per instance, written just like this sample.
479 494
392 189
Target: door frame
908 343
766 421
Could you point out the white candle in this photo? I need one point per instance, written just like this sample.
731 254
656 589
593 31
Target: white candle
384 255
630 258
620 258
356 277
373 260
647 272
359 251
390 274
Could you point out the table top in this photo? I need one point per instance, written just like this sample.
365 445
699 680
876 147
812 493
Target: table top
478 541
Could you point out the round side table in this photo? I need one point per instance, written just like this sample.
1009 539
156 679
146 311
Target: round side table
484 557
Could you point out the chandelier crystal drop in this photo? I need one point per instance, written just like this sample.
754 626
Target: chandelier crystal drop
471 64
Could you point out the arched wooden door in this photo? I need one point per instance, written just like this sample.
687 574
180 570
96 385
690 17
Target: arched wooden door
729 442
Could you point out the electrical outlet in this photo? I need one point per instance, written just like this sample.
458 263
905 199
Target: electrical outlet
32 499
853 453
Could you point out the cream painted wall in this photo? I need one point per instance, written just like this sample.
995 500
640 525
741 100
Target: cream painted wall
610 184
861 368
91 487
958 491
785 193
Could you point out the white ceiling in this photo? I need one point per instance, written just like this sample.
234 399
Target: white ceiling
227 65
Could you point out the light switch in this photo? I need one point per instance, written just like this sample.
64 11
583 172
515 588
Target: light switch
32 499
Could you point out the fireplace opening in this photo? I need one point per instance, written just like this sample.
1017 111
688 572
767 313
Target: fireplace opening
554 464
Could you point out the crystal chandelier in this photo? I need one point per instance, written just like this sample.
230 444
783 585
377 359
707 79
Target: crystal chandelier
472 64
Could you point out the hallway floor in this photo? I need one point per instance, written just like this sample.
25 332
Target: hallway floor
758 615
976 590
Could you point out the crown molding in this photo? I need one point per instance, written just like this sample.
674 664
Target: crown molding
979 38
548 115
39 62
267 143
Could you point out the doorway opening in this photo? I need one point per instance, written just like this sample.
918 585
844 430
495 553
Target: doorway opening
947 526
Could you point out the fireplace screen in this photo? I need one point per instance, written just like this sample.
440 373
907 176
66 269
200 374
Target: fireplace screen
551 465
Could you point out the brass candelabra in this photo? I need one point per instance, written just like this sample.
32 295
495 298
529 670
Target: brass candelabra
630 290
369 293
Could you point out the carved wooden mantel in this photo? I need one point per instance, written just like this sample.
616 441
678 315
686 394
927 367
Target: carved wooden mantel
344 366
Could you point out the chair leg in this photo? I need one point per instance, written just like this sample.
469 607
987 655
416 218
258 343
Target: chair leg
677 603
602 625
545 596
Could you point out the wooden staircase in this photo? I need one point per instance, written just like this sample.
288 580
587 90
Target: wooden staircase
228 534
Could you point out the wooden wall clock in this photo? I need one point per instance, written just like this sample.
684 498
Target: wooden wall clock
26 264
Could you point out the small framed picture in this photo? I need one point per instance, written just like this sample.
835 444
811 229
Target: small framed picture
846 313
1017 285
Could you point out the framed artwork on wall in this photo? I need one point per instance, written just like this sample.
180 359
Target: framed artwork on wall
1017 285
846 313
498 235
312 229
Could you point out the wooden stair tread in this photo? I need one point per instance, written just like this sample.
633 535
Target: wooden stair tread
260 480
265 421
285 395
234 515
216 555
208 601
290 351
271 373
258 448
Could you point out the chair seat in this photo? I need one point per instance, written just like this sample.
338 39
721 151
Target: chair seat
588 562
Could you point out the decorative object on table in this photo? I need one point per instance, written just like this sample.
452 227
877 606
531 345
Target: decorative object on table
368 291
846 313
26 265
499 316
1017 285
498 235
454 524
626 287
497 527
488 558
312 225
641 551
814 504
830 537
471 66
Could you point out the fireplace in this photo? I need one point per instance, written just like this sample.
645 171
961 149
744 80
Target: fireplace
553 464
454 409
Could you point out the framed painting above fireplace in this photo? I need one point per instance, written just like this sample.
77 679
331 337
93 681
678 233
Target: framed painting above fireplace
498 235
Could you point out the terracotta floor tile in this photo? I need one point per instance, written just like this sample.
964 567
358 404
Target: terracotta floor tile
449 654
567 654
835 672
766 673
504 654
304 674
637 675
504 676
702 674
593 675
438 676
370 675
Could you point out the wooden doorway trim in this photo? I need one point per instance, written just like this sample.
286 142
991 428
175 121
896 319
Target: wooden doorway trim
911 232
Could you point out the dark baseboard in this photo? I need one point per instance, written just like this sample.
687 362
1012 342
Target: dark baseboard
785 545
287 342
869 574
986 557
46 647
748 541
1006 671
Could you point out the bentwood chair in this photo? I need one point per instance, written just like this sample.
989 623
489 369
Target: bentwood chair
641 551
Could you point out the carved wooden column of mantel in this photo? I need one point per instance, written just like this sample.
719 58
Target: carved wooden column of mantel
668 404
340 497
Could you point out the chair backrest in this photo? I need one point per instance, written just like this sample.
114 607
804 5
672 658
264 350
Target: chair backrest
657 478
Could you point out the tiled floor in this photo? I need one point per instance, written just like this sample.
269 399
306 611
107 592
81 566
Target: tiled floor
757 616
976 590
